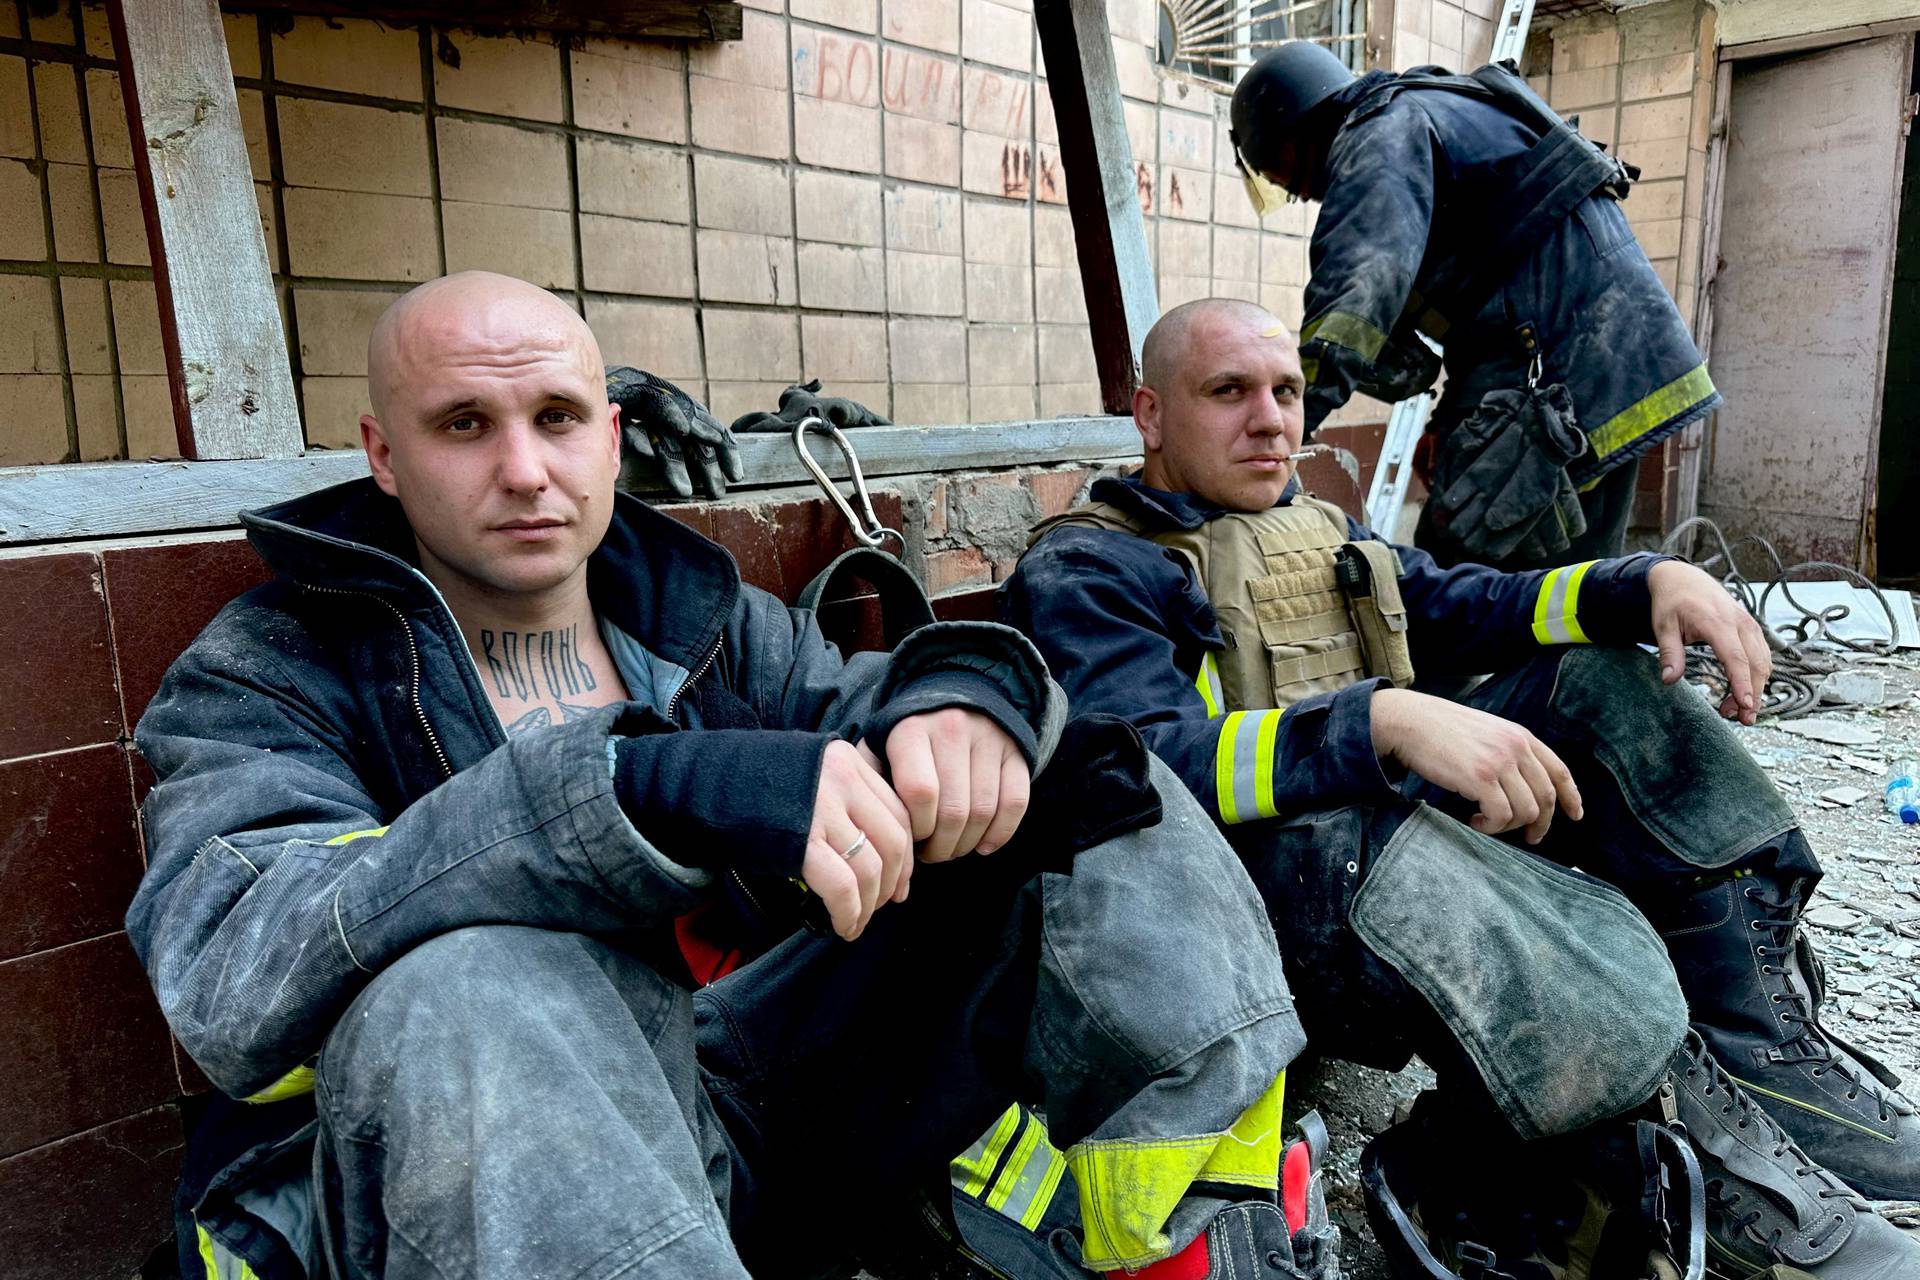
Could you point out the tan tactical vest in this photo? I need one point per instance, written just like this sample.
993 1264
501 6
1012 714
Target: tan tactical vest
1303 610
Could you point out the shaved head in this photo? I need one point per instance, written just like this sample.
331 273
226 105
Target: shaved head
1170 342
1219 403
422 321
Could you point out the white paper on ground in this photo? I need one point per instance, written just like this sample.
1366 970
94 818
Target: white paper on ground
1865 619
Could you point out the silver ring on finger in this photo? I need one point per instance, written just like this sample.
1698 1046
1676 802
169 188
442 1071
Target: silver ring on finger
855 847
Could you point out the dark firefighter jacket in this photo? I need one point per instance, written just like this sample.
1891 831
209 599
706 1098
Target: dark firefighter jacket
1417 180
334 787
1124 627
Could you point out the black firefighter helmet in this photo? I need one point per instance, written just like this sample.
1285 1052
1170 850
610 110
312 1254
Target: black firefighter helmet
1270 105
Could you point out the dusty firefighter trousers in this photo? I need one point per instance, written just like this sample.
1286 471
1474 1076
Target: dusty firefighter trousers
505 1101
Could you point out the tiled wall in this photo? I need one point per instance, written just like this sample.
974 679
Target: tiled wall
866 191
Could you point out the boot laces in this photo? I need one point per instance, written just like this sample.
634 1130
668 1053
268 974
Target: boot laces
1721 1197
1816 1047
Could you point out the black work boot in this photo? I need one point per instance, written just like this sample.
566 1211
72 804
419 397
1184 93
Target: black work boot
1767 1203
1755 989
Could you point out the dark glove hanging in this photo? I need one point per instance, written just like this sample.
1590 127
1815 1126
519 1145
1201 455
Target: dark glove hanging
1501 486
663 425
802 401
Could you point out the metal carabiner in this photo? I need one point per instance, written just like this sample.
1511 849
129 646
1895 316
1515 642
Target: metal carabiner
868 532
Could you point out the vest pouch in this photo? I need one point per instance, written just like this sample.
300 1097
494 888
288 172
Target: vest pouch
1369 575
1500 483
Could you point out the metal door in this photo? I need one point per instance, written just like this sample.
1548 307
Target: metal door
1801 295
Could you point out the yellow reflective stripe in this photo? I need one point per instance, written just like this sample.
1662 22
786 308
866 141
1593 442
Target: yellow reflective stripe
221 1264
1036 1207
1556 609
972 1168
1310 369
1243 766
291 1085
1128 1189
1652 412
1208 683
1009 1178
1347 329
1751 1087
351 836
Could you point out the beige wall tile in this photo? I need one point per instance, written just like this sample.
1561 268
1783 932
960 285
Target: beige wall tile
326 235
927 351
931 284
1067 399
83 305
353 55
1577 49
632 180
998 233
923 221
1236 254
737 266
624 256
922 150
1066 354
1659 239
533 244
1185 193
1000 355
331 409
1186 140
837 208
997 102
56 91
70 191
1246 290
34 407
120 215
16 116
1666 158
838 278
253 128
996 33
930 24
743 195
1657 31
729 400
1053 243
854 15
742 118
1653 121
149 413
996 293
242 32
136 327
334 326
929 404
1133 67
1283 260
501 164
751 346
96 31
1655 201
616 92
1447 30
1230 205
920 84
350 148
1284 301
1656 77
1578 89
1001 404
55 27
504 75
759 57
263 201
29 339
107 115
1058 296
844 349
1185 250
99 421
836 67
1176 289
836 135
659 337
991 165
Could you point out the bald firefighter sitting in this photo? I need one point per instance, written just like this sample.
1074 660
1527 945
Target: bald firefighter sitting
454 815
1412 850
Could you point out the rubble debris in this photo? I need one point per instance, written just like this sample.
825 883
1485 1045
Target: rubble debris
1843 733
1844 796
1856 688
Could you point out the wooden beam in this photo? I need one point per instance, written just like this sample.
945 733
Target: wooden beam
656 19
219 319
1102 190
120 499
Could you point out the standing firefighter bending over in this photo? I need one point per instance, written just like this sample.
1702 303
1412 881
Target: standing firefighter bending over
1462 208
1413 851
447 810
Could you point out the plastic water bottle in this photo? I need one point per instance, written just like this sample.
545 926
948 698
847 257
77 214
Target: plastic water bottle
1903 790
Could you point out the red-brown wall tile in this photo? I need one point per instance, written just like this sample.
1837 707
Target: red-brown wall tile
161 596
57 686
977 605
69 855
81 1043
94 1204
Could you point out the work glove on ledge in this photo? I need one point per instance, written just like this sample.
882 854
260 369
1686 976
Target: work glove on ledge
663 426
803 400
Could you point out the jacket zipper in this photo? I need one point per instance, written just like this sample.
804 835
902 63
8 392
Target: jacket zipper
698 671
413 659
